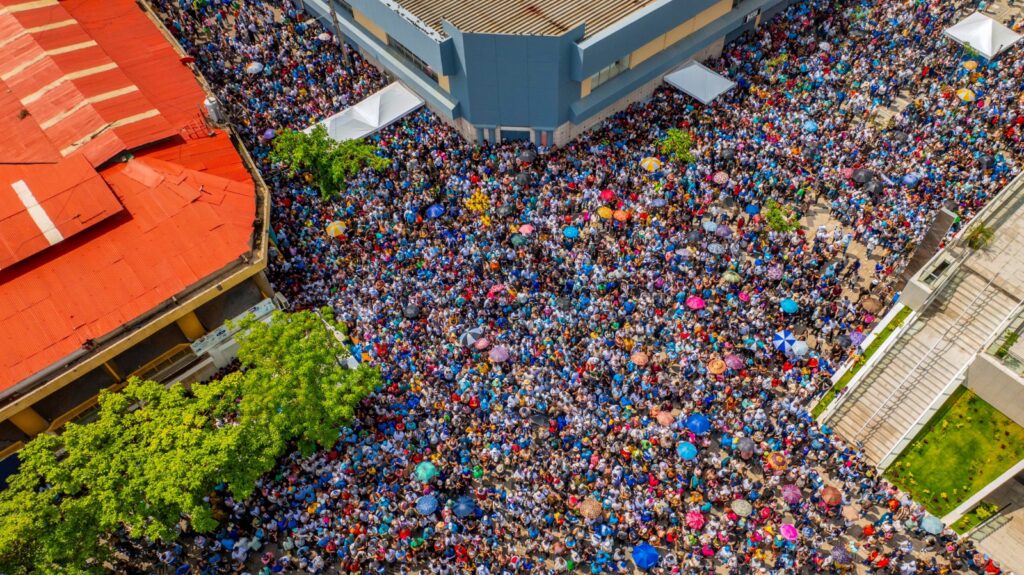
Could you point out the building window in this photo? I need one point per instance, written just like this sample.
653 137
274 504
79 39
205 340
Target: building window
345 6
610 71
413 59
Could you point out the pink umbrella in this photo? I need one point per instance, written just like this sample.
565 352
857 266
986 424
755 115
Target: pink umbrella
607 196
694 302
665 418
482 343
720 178
734 361
789 532
744 296
526 229
640 358
846 173
499 354
791 494
495 290
694 520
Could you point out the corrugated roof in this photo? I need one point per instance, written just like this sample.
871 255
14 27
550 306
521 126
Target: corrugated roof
187 204
534 17
44 204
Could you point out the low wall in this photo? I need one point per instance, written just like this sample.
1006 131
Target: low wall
998 385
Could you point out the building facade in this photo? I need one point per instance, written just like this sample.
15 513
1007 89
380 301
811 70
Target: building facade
544 71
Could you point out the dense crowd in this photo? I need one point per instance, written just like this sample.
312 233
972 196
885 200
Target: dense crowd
587 360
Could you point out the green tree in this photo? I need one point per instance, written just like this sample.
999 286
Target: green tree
677 144
329 162
155 453
779 217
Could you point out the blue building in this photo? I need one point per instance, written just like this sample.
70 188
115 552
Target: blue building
542 70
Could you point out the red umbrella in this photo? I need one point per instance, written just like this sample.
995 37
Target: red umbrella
607 195
831 496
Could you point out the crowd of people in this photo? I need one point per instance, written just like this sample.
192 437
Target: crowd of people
591 360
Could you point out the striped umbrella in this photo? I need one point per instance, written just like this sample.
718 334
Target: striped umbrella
784 340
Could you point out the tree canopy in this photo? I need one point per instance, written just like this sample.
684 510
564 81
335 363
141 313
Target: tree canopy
329 162
677 144
155 453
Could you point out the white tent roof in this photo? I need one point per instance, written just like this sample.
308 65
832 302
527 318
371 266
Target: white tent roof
375 112
699 82
983 34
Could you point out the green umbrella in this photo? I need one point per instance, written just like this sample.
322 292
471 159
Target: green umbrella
518 239
425 471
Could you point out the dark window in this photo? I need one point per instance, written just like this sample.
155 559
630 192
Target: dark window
413 59
345 6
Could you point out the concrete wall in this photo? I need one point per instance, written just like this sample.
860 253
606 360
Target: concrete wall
998 385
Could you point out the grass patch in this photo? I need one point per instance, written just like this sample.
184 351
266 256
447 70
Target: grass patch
876 343
974 517
966 445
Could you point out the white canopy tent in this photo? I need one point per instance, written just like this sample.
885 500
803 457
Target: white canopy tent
372 114
699 82
983 34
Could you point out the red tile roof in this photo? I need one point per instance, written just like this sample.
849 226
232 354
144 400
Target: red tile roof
81 83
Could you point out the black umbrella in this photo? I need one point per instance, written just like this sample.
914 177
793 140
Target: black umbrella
693 236
412 311
986 161
862 176
527 156
523 178
506 210
728 154
874 188
898 136
843 340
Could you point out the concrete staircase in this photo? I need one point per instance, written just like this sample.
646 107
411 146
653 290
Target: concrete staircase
920 364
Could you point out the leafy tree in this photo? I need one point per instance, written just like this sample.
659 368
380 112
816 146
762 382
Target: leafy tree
155 453
779 217
677 144
329 162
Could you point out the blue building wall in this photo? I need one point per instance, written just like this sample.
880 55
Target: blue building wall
518 81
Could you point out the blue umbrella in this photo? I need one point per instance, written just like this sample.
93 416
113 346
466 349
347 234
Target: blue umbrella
645 556
698 423
911 179
571 232
435 211
464 506
686 450
753 210
426 505
784 340
789 306
932 524
811 126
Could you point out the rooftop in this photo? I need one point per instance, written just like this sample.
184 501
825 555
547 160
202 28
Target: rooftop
114 197
532 17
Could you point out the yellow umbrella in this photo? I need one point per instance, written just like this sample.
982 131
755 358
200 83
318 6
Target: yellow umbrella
970 65
336 229
651 164
605 212
965 95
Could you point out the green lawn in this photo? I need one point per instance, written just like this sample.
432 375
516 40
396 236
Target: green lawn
966 445
830 395
974 517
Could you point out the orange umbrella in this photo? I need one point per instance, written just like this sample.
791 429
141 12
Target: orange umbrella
777 460
717 366
591 508
831 496
640 358
620 215
665 418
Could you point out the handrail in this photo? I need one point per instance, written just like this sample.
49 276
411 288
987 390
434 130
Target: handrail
926 357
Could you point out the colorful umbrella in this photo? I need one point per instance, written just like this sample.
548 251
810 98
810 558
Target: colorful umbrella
831 496
841 555
932 524
471 336
717 249
571 232
645 556
698 423
789 532
695 519
731 277
425 471
857 337
734 361
709 226
810 126
526 229
336 229
426 505
253 68
742 507
498 354
665 418
784 340
717 366
269 134
518 240
620 215
788 306
686 450
720 178
752 210
970 65
607 195
651 164
777 460
639 358
965 95
323 36
791 494
482 343
435 211
695 302
723 231
464 506
800 349
590 508
605 212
